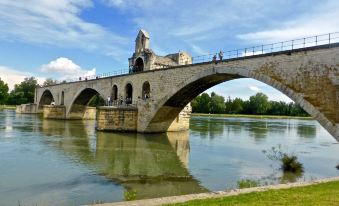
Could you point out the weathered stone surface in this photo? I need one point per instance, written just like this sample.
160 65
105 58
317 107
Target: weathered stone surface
26 109
54 111
307 76
122 119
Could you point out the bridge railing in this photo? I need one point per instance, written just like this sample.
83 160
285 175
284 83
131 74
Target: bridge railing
325 39
121 103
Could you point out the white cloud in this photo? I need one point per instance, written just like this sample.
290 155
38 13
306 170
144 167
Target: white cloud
66 68
254 88
321 20
198 50
12 76
56 23
244 88
132 4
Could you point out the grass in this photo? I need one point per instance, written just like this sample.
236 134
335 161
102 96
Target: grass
313 195
251 116
247 183
7 107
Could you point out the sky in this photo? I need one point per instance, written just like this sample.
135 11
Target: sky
70 38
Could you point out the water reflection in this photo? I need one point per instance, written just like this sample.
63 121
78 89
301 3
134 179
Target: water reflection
306 131
48 162
208 127
158 161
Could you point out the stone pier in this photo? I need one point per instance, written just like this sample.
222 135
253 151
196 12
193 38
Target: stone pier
122 119
54 111
27 109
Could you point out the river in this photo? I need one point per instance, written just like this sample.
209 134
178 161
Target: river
50 162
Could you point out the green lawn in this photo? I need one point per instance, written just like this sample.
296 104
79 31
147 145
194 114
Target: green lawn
251 116
7 106
315 195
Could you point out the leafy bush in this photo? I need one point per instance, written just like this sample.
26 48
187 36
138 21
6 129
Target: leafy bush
247 183
289 162
130 195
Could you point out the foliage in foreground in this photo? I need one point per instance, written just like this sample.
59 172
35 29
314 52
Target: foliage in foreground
247 183
130 195
289 162
315 195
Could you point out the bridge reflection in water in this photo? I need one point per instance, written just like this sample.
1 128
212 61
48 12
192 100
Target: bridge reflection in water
150 165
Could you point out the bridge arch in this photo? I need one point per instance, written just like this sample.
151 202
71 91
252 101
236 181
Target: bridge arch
139 65
79 108
46 99
115 92
128 93
178 97
146 90
62 102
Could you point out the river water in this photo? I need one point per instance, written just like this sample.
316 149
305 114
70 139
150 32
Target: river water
50 162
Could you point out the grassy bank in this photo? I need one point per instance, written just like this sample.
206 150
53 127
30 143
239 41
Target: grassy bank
315 195
7 106
250 116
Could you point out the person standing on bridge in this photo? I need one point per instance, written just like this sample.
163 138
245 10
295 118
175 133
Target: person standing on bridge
221 55
109 101
214 59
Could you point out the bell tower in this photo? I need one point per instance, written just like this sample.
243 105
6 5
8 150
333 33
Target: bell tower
141 42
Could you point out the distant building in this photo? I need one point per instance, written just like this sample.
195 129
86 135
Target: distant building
144 59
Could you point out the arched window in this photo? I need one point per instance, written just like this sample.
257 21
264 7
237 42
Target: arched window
62 98
129 93
115 93
138 65
146 90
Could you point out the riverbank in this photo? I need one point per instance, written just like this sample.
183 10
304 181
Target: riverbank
251 116
317 193
7 107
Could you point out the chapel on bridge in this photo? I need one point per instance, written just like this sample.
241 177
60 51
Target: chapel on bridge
144 59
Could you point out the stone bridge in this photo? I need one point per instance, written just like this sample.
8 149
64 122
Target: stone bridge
161 97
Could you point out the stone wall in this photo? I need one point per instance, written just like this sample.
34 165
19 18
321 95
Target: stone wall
122 119
26 109
308 76
82 112
54 111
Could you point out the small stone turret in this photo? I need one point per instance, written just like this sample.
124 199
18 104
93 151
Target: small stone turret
141 42
145 59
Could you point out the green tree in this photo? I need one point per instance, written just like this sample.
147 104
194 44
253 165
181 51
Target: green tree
201 104
195 103
204 104
237 106
228 106
49 82
97 100
259 104
3 92
278 108
24 92
217 104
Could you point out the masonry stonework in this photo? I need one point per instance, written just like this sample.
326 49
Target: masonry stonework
308 76
117 119
54 112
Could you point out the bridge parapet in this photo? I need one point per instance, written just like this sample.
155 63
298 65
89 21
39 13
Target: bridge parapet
307 75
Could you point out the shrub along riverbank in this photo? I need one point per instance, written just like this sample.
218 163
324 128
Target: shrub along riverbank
7 107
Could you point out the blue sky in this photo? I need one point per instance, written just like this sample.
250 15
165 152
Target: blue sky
68 38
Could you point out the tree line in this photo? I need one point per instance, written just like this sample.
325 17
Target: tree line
257 104
22 93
